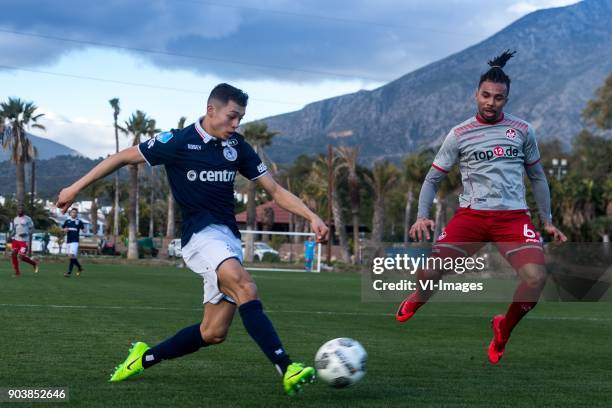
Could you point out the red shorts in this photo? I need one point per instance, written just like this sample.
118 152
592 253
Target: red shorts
511 230
19 246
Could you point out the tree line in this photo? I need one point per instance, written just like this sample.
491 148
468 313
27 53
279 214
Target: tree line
382 196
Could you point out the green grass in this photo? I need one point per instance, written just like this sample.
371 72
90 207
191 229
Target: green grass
72 332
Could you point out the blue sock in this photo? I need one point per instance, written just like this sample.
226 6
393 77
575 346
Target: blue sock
187 340
261 330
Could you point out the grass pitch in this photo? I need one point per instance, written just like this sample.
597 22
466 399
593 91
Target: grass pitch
72 332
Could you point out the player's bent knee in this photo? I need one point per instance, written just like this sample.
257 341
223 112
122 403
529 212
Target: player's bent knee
214 339
534 275
213 336
246 291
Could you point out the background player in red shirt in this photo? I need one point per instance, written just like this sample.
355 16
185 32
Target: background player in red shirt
22 228
494 151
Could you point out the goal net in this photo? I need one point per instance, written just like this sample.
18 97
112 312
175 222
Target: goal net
278 251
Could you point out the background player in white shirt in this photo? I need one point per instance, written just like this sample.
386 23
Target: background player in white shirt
22 229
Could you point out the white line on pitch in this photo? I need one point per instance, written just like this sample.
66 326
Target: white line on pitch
315 312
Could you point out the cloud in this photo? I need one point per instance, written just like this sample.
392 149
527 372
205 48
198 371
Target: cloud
88 137
524 7
272 39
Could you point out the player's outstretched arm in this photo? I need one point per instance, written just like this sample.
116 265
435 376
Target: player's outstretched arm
131 155
420 229
291 203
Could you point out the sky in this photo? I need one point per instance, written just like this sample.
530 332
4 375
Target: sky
164 56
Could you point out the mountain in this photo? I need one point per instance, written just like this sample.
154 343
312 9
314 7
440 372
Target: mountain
51 175
47 149
563 56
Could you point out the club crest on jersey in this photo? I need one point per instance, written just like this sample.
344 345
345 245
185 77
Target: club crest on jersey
230 153
510 133
164 137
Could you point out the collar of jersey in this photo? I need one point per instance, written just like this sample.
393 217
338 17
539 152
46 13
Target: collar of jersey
484 122
203 134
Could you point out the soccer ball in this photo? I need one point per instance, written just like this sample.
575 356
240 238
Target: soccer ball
341 362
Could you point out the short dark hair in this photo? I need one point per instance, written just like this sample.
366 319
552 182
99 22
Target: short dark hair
496 73
72 209
225 93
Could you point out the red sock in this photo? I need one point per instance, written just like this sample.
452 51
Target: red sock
525 298
15 263
26 259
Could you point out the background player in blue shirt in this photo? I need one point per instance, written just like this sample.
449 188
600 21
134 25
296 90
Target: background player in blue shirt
73 226
201 162
309 247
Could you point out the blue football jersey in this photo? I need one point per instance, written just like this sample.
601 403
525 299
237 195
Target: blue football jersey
201 172
74 226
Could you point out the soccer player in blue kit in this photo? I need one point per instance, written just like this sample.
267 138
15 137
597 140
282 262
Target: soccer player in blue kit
73 226
201 161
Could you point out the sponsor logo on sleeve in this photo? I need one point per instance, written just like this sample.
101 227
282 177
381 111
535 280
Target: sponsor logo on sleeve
262 168
164 137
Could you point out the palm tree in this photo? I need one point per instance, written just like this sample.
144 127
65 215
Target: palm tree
415 168
137 125
116 110
315 196
151 132
258 135
382 179
350 157
93 191
171 225
448 188
20 115
579 203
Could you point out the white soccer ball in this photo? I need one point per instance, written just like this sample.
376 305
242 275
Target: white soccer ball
341 362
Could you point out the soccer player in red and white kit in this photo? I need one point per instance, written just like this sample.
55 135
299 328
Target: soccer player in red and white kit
22 228
494 151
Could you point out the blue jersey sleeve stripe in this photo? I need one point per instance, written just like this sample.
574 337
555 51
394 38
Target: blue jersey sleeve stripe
143 156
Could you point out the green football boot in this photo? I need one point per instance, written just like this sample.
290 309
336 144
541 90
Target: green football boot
133 363
296 376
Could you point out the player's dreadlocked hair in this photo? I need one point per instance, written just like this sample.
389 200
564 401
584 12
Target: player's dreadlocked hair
225 93
496 73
